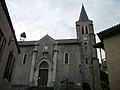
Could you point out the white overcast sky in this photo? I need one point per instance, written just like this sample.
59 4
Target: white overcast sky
57 17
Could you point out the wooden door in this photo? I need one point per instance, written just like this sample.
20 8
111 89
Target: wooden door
42 77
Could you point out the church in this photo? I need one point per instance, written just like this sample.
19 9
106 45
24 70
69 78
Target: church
63 64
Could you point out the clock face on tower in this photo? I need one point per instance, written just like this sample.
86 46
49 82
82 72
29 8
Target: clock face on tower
84 38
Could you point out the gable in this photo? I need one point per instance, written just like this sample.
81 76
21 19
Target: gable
46 40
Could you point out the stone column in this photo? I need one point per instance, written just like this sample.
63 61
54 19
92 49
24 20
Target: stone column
31 78
55 57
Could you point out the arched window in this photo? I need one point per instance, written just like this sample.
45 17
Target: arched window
82 30
86 30
9 67
24 60
66 58
2 43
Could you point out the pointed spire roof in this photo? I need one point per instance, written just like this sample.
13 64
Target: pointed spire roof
83 14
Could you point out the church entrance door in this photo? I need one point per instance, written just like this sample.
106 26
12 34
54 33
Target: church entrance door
43 74
43 77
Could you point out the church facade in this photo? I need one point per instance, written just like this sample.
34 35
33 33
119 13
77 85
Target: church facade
64 63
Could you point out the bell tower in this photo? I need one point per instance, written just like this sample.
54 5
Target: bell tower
90 65
84 26
85 33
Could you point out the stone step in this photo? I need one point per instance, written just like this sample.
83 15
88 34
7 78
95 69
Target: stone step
39 88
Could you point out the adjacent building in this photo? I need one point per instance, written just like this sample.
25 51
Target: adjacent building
9 49
110 42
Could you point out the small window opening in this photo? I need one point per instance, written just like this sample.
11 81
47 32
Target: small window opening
25 58
86 29
78 27
85 43
82 30
86 61
66 58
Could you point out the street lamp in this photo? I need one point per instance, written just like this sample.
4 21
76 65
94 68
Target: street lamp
22 36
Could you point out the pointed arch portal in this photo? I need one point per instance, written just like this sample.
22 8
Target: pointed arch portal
43 74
